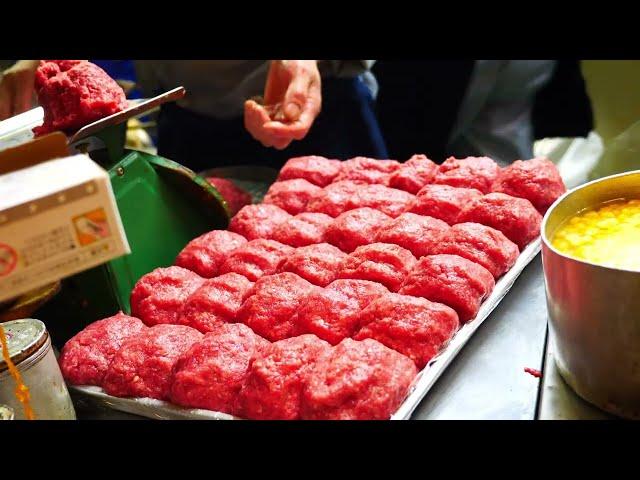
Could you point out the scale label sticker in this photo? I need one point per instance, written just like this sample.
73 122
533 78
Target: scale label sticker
91 227
8 259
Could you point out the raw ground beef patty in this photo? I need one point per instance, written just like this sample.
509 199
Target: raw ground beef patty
412 326
142 367
273 389
357 380
235 197
389 201
258 221
470 172
317 264
331 313
271 304
384 263
157 297
538 180
413 174
292 195
367 170
481 244
217 301
354 228
334 199
256 258
452 280
317 170
304 229
517 218
75 93
205 254
211 373
416 233
443 202
86 356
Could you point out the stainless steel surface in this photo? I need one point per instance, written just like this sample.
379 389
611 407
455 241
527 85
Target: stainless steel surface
558 401
594 310
424 382
487 379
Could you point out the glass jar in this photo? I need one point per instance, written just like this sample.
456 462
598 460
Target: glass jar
30 349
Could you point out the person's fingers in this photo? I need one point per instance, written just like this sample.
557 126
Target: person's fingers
278 79
23 96
255 116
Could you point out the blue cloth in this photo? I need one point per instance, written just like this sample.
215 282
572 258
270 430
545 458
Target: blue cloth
346 127
120 70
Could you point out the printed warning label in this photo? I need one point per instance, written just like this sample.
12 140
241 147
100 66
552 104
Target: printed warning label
8 259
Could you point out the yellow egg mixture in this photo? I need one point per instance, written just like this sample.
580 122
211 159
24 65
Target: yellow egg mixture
607 235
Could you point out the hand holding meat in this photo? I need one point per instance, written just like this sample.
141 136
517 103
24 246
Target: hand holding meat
292 101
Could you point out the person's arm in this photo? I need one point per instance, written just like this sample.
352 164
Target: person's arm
292 101
16 88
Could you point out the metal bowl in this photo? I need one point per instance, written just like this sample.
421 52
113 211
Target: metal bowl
594 310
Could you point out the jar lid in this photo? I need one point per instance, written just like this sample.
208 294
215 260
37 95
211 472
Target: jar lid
24 337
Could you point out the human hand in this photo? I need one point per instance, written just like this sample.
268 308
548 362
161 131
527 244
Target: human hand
292 101
16 88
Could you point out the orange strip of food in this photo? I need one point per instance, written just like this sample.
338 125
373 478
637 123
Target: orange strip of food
22 391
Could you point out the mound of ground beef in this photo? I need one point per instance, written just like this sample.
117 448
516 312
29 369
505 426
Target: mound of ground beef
75 93
413 174
205 254
273 389
85 357
142 367
357 380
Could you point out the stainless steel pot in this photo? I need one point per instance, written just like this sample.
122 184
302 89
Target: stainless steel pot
594 311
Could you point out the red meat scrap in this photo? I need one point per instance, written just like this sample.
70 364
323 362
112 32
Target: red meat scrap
271 304
413 174
538 180
158 296
413 326
358 380
256 258
142 366
303 229
416 233
86 356
291 195
235 196
317 170
443 202
470 172
212 372
384 263
450 279
318 264
75 93
516 217
355 228
273 389
205 254
258 221
331 313
217 301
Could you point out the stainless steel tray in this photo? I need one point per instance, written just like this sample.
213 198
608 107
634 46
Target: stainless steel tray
423 382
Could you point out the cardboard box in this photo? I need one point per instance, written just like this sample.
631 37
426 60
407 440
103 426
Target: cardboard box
58 216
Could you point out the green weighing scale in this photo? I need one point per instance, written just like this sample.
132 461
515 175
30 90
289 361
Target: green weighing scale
163 205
